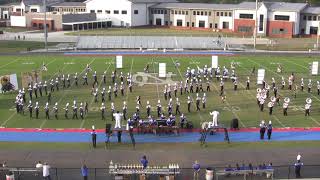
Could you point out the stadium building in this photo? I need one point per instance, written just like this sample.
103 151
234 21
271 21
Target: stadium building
274 19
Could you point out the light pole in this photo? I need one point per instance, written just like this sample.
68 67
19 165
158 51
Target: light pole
318 33
255 27
45 26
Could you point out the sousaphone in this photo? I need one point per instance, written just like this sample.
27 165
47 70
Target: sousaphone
259 90
286 100
309 100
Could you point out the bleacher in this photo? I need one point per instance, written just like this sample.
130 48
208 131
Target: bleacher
148 42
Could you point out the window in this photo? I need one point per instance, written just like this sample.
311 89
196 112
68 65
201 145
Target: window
172 12
179 12
99 11
179 22
175 12
261 22
210 25
225 25
187 24
166 23
279 31
170 23
115 12
281 18
230 14
92 11
194 13
309 18
182 12
209 13
135 12
226 14
246 16
217 13
313 30
304 17
35 25
123 12
314 18
202 24
34 10
192 24
161 11
198 12
201 13
244 29
108 12
221 13
205 13
216 25
165 11
187 13
318 18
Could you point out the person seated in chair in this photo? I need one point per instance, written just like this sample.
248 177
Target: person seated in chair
170 122
183 120
152 122
162 117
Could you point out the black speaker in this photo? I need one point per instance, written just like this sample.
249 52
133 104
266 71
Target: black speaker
189 125
235 123
108 128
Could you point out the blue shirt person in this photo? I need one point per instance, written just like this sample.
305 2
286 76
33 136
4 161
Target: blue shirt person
144 162
84 172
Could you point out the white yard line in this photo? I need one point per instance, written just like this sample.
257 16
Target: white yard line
6 121
254 98
92 100
279 93
154 71
9 63
307 69
182 78
65 92
127 92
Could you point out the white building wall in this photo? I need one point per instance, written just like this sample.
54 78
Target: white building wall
117 19
182 17
158 16
225 19
142 18
262 11
294 17
313 24
202 18
18 21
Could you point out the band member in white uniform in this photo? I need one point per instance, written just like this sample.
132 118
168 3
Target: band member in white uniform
302 84
270 106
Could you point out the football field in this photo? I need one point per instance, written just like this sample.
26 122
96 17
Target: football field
239 104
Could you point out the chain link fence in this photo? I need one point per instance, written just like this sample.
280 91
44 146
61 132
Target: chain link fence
280 172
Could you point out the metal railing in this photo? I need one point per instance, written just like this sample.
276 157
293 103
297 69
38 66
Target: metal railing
280 172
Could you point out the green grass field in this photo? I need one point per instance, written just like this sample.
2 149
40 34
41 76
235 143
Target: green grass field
240 104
